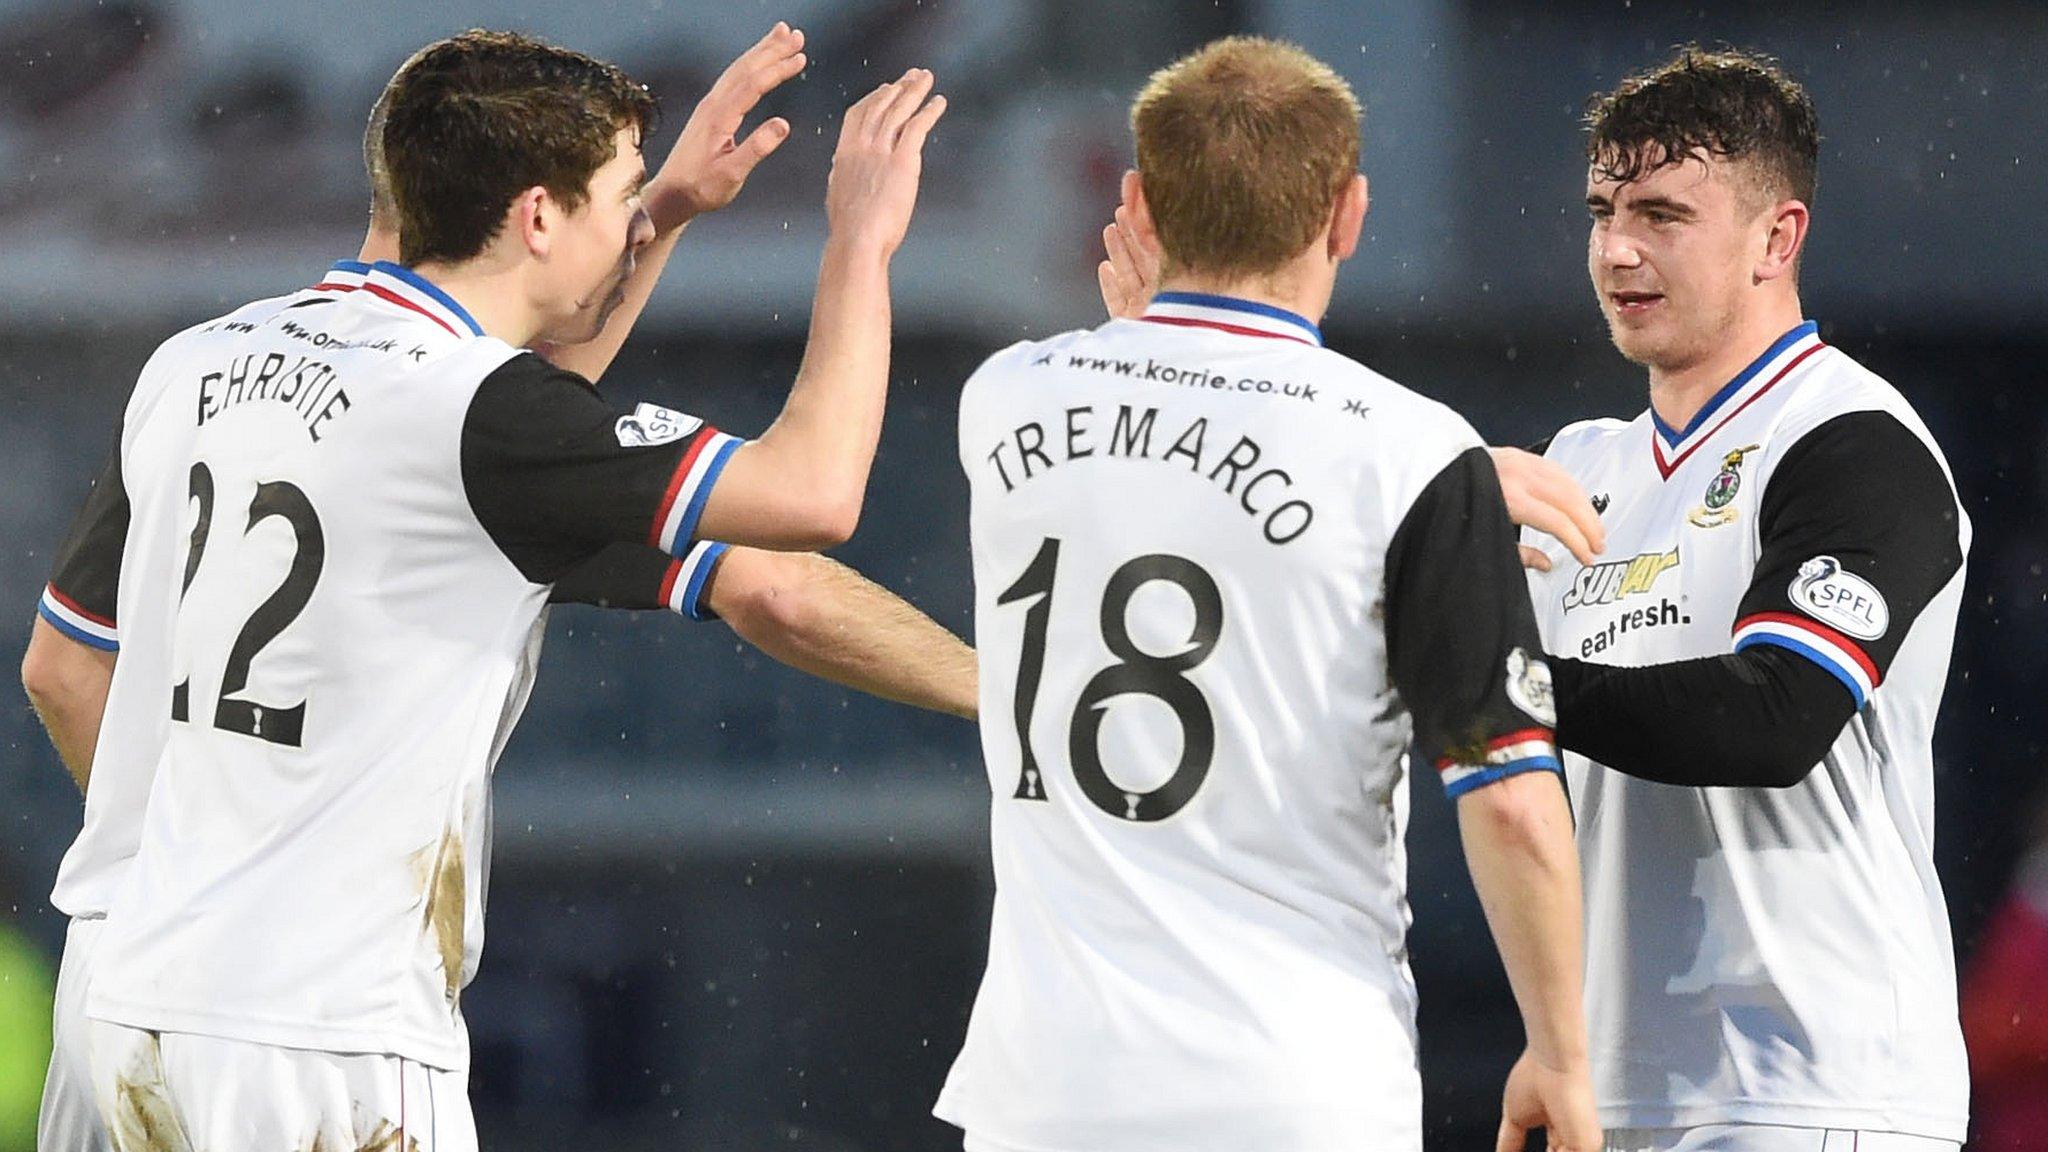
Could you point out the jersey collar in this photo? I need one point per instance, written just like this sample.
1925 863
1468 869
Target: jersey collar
343 276
409 290
1230 314
1672 446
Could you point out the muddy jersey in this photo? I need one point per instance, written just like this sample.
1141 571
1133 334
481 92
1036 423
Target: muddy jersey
1222 577
370 500
1754 955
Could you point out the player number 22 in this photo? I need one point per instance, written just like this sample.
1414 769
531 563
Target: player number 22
1135 672
285 500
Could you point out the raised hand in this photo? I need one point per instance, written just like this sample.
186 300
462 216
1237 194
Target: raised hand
709 163
1130 275
1557 1100
1543 496
875 169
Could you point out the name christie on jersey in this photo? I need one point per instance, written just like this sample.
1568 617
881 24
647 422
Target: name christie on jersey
1264 494
308 387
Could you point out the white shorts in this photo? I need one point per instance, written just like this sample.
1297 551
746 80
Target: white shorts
1768 1138
70 1119
177 1092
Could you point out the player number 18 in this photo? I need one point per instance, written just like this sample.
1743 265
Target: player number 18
1135 672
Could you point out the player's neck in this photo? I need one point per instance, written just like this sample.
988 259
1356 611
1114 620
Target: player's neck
1298 287
493 293
1677 395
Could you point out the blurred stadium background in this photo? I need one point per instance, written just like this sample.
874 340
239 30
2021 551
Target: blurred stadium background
734 909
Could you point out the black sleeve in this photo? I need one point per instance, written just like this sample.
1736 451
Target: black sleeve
79 601
636 577
1462 645
554 473
1757 719
1858 531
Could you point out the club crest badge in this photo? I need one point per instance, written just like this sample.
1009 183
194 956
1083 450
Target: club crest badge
1718 506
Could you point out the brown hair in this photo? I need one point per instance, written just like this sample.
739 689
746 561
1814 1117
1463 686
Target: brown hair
1732 104
383 210
1243 147
474 120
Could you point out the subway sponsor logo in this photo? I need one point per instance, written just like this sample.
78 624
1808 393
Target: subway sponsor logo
1618 579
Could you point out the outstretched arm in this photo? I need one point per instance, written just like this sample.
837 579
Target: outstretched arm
804 610
801 484
819 616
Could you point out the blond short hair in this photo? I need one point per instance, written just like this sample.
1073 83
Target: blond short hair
1243 147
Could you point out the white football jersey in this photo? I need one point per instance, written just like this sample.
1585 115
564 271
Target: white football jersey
86 600
1218 569
373 499
1757 955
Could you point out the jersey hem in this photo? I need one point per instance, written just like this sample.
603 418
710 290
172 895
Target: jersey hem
298 1035
1932 1125
977 1138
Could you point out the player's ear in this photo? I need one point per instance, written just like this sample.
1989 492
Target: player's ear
534 217
1783 240
1347 218
1133 190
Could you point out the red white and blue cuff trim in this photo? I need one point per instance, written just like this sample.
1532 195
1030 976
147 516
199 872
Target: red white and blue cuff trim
89 629
1230 314
675 519
1529 750
683 588
1841 656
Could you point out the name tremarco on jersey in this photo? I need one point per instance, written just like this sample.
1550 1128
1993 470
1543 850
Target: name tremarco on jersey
1263 493
308 387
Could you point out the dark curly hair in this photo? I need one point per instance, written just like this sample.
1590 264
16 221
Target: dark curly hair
474 120
1732 104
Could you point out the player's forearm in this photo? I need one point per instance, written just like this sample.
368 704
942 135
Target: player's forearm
67 684
819 616
1759 718
824 440
1518 844
593 358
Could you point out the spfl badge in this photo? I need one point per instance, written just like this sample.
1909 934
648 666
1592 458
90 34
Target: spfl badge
1718 508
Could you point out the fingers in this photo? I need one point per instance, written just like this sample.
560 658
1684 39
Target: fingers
761 143
1551 520
1563 493
1120 255
895 114
1144 261
861 113
1556 488
905 97
1534 558
1512 1137
919 126
773 59
1114 301
1543 496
